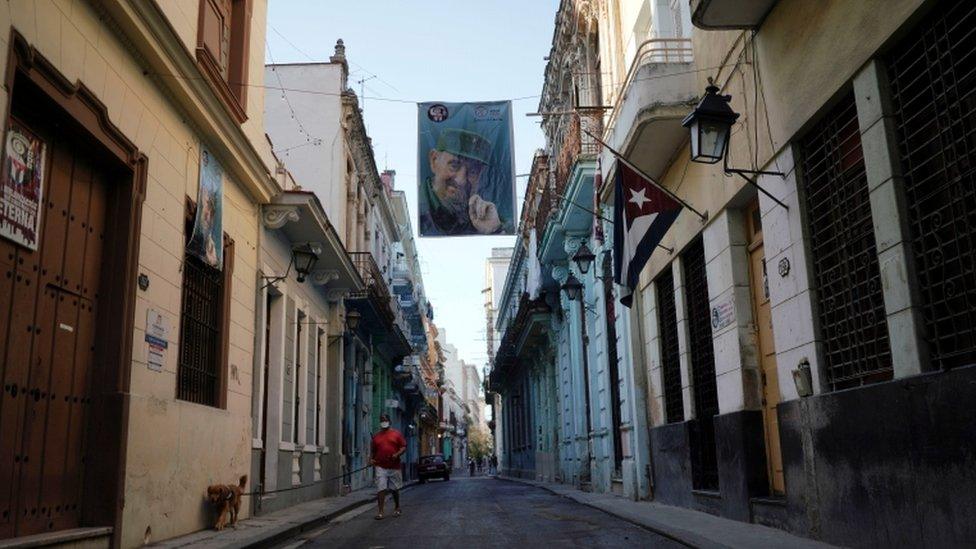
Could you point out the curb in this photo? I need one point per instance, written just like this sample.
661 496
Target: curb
312 523
696 543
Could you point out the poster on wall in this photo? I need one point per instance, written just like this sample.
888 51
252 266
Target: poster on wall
466 169
207 243
22 186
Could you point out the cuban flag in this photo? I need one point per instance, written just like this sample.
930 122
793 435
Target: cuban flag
642 214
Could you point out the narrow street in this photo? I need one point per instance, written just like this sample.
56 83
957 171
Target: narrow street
482 512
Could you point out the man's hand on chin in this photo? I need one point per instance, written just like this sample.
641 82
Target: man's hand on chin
484 215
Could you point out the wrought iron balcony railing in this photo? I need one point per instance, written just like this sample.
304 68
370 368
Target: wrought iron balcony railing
375 286
652 51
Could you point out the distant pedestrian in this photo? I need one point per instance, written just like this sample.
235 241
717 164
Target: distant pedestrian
470 467
481 462
494 464
385 451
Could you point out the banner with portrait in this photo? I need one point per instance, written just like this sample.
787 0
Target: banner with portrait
466 169
21 187
207 242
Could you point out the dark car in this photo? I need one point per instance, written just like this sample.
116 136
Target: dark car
433 466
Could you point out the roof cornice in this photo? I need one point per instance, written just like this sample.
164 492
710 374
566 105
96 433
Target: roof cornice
163 53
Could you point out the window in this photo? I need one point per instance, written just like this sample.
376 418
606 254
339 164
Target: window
204 324
850 304
670 363
223 39
932 74
704 465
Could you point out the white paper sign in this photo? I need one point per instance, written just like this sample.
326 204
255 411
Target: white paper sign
157 338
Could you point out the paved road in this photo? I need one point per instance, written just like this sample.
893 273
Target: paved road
482 512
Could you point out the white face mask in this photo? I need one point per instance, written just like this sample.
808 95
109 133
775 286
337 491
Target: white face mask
384 425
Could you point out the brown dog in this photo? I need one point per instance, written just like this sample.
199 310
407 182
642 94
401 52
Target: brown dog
226 499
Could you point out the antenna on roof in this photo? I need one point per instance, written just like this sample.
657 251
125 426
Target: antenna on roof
362 89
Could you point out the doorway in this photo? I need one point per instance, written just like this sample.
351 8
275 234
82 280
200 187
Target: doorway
767 351
49 305
67 308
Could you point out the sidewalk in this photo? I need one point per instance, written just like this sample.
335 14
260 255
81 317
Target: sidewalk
263 530
692 528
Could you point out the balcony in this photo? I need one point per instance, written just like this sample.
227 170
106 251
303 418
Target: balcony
659 90
730 14
576 145
528 329
375 287
381 316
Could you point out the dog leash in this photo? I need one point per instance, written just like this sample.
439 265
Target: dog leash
316 483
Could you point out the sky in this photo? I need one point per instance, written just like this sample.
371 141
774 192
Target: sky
431 50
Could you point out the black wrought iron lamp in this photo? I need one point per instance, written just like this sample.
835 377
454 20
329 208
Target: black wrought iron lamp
352 320
583 258
573 287
303 258
711 129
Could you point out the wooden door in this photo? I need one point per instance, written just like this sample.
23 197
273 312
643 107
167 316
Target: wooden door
767 351
48 306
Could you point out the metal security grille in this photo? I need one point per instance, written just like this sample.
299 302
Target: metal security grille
670 363
850 304
933 75
704 466
198 378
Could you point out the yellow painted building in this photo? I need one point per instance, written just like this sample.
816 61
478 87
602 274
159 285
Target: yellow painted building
126 95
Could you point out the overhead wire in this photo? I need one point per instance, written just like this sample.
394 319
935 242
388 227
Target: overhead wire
301 127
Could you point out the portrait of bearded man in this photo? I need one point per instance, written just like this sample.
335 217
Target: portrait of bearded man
451 201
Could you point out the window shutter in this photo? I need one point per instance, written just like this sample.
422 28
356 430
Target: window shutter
215 21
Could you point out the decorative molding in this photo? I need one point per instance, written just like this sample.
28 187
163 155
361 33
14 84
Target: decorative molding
324 277
337 294
275 217
571 244
560 273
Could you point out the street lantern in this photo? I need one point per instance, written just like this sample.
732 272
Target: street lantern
710 124
583 258
352 320
572 287
304 257
711 127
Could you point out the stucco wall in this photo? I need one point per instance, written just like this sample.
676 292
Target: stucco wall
174 448
319 168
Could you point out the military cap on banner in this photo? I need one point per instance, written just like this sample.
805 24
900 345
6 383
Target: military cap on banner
464 143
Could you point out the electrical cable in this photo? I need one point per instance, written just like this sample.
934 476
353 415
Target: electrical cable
301 127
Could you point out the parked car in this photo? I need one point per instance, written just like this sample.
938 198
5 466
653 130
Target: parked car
433 466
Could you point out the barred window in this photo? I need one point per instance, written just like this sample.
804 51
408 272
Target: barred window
704 460
204 316
933 75
670 362
850 304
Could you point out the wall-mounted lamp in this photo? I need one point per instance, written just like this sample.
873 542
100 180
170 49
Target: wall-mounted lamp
711 129
573 287
303 257
352 320
583 258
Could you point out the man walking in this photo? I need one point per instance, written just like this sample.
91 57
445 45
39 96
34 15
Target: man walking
385 451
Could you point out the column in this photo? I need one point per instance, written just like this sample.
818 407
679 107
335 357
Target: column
906 329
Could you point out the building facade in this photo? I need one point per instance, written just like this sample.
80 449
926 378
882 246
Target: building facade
143 398
798 355
321 139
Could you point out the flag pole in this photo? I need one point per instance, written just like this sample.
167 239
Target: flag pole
648 178
610 221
